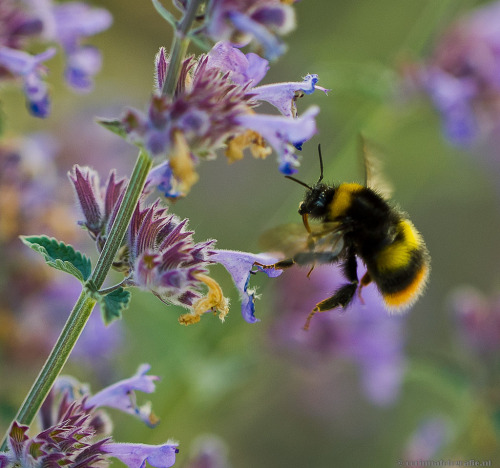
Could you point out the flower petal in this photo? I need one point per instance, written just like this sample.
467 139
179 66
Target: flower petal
243 68
82 65
240 266
282 132
283 95
121 395
136 455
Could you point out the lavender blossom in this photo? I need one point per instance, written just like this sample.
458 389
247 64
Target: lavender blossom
240 265
165 260
462 76
245 21
73 430
17 25
213 107
29 68
363 334
47 22
136 455
160 255
97 204
68 24
121 396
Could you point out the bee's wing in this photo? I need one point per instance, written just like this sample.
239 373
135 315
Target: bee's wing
286 238
374 177
293 238
327 237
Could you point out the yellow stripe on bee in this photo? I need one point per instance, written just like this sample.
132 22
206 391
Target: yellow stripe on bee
398 254
406 297
342 199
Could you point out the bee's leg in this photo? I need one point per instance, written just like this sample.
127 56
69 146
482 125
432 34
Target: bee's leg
281 265
344 295
365 281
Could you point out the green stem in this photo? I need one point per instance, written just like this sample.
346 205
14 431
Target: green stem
85 304
179 48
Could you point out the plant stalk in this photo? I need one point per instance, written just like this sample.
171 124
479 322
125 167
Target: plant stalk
179 48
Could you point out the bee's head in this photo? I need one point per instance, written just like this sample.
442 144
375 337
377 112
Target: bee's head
316 200
317 197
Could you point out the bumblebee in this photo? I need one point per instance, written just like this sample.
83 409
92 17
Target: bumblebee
357 221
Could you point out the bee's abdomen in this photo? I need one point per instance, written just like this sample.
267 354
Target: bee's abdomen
401 268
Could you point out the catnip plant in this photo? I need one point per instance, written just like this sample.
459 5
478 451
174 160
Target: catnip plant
199 105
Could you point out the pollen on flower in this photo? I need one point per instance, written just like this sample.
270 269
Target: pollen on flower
182 164
250 138
213 301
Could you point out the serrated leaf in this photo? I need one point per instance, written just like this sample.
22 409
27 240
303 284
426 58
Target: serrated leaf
113 304
113 125
60 256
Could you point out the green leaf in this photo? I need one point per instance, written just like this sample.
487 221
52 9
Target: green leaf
60 256
164 13
113 304
113 125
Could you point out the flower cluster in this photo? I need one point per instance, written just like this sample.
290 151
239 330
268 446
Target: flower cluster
76 433
160 255
462 76
214 107
47 22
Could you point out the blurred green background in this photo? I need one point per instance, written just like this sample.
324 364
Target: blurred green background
227 379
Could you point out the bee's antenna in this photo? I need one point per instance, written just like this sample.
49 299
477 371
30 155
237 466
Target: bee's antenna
320 164
298 181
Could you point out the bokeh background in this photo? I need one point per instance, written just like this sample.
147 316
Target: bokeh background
269 400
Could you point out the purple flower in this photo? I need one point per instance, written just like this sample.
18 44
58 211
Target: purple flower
68 442
283 134
164 259
30 70
240 265
244 21
97 204
16 25
284 95
462 75
363 334
213 107
69 24
121 395
71 423
162 178
136 455
66 24
159 253
478 319
248 70
245 69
